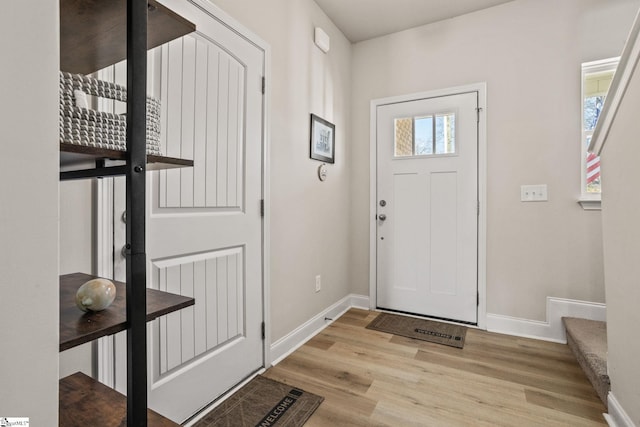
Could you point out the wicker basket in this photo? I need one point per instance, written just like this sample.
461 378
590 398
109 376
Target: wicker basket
83 126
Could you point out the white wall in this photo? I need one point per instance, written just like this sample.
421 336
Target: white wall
309 220
529 52
29 211
76 226
621 235
76 256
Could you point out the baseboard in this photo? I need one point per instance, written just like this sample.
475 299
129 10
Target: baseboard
296 338
359 301
552 329
617 417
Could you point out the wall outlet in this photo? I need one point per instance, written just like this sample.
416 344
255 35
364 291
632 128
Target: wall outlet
318 283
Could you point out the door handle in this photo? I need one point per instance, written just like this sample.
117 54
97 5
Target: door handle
382 217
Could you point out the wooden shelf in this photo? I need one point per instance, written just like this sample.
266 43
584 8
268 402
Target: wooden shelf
71 154
93 33
78 327
75 160
87 402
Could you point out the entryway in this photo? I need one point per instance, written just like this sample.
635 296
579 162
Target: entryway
427 204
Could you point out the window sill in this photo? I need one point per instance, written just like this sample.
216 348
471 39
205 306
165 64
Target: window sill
590 204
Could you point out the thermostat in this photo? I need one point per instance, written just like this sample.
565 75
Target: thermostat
322 172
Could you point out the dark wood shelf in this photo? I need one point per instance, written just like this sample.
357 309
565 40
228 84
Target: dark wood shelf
71 154
75 160
78 327
87 402
93 33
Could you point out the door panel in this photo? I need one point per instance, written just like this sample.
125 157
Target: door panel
204 98
444 231
215 279
408 224
427 225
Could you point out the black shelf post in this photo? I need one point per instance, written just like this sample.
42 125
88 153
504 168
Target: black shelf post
135 201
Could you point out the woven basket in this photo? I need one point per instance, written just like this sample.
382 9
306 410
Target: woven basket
83 126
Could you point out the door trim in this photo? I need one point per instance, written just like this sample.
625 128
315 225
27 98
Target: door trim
481 89
103 353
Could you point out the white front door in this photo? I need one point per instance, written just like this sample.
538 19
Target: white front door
427 207
204 224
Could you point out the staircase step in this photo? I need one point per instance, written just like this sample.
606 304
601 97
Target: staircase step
588 341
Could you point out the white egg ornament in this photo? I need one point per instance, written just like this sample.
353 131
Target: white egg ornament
95 295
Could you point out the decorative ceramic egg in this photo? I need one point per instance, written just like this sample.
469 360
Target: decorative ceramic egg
95 295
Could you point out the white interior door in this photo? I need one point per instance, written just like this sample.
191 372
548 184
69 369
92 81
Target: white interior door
204 224
427 207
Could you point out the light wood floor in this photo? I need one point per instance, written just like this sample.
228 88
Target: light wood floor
371 378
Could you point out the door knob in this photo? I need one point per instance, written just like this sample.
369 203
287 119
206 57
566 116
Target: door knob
382 217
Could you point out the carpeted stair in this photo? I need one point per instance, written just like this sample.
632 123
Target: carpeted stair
588 341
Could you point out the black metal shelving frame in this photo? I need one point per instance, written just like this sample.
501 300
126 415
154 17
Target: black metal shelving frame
135 206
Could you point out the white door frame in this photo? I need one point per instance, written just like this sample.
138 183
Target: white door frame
481 88
104 357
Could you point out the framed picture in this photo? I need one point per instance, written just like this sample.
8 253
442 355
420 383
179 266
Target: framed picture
323 138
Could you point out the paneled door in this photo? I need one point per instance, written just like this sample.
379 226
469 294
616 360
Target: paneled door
204 224
427 206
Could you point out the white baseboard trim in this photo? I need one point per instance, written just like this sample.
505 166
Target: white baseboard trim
296 338
552 329
359 301
617 417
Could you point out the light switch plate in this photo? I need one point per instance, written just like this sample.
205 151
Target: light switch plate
534 193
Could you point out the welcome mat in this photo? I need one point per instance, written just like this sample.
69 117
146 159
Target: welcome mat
263 402
421 329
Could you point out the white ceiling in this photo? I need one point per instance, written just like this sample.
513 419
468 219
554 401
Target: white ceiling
365 19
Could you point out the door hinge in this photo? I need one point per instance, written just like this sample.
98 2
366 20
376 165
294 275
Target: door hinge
478 110
264 84
262 330
478 208
262 208
478 299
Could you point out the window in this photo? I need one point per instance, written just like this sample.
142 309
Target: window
425 135
596 79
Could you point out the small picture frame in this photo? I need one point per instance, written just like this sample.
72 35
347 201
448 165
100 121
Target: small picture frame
323 138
